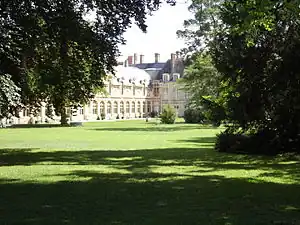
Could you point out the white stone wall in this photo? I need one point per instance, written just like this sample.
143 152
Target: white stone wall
172 94
124 99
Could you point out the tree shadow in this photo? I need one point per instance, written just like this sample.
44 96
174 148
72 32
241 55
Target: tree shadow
149 199
141 195
154 128
25 126
200 140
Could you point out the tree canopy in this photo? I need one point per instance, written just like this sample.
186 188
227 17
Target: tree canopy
54 54
9 96
256 51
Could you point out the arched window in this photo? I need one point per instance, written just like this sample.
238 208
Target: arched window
144 107
81 111
133 107
25 112
115 107
109 107
122 107
127 107
101 107
166 77
138 107
149 107
95 107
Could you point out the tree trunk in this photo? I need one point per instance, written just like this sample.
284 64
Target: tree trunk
63 116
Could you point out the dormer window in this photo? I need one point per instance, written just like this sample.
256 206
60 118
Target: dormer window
166 77
176 76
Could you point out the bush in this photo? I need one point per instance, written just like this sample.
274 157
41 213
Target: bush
192 115
264 142
153 114
168 115
228 141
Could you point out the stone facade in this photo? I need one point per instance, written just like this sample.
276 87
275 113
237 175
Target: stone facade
135 91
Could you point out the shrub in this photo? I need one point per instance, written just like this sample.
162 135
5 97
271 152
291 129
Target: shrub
98 117
261 142
193 115
153 114
168 115
102 116
228 141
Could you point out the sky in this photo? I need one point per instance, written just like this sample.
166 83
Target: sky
161 33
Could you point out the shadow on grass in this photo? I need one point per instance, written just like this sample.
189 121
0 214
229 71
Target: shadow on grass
154 128
142 199
19 126
142 196
200 140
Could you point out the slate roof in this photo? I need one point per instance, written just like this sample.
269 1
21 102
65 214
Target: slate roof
156 70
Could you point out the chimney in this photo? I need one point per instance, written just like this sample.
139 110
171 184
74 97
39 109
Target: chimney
173 58
135 58
141 59
157 57
126 63
130 58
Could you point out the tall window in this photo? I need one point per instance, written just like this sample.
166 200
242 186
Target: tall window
166 77
115 107
133 88
144 89
133 107
175 77
122 88
25 112
95 107
101 107
127 107
149 107
138 107
81 111
109 107
122 107
144 107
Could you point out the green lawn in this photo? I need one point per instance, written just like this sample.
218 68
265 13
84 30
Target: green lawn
140 173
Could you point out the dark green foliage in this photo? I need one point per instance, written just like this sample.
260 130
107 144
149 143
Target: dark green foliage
193 115
256 51
261 98
201 78
228 141
260 142
168 115
213 110
153 114
56 55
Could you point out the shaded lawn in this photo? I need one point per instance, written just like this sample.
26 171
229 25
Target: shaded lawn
148 174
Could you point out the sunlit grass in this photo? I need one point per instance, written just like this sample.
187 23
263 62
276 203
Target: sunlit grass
140 173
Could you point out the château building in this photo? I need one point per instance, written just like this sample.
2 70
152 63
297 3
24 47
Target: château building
136 90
